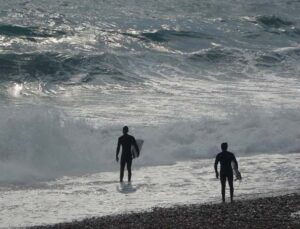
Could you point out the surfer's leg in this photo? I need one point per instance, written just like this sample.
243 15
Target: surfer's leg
129 162
230 182
223 186
123 162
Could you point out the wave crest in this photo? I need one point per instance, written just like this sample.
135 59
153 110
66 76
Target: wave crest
273 21
29 32
218 54
167 35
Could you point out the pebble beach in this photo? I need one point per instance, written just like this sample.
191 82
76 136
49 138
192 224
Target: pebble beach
267 212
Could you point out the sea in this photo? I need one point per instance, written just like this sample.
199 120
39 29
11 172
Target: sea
184 76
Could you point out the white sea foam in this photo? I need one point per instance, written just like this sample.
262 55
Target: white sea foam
189 182
42 143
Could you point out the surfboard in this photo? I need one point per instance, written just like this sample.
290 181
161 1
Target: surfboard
140 143
237 173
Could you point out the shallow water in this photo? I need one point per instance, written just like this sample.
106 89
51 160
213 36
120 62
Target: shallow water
73 198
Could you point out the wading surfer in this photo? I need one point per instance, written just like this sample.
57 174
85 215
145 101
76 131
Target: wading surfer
126 141
225 158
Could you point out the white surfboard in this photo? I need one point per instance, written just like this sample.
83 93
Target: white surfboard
140 143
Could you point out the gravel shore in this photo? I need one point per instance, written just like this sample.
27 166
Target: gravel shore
269 212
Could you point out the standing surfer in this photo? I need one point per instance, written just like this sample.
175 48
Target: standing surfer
126 141
225 158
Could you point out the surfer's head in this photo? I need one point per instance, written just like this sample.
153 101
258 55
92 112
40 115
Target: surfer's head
125 129
224 146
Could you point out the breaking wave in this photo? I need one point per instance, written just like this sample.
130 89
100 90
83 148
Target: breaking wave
39 143
55 67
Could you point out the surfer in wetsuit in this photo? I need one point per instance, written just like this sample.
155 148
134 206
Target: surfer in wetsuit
225 158
126 141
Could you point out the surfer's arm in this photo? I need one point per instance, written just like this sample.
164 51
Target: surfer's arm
216 166
118 150
235 162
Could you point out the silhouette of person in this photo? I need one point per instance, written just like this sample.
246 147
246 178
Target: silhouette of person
225 158
126 141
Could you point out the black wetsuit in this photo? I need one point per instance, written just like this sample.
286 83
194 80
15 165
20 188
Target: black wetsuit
126 141
225 158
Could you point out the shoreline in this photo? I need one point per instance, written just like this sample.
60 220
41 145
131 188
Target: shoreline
261 212
97 195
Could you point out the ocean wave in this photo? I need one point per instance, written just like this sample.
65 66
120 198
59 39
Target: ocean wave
269 60
118 68
281 57
29 32
241 59
277 26
56 67
40 143
168 35
288 51
273 21
218 54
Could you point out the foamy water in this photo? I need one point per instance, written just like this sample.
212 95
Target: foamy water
183 75
73 198
41 143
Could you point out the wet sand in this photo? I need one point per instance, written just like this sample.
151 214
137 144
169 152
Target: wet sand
267 212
